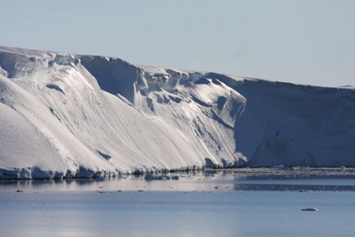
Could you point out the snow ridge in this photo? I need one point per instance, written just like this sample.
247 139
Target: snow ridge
68 116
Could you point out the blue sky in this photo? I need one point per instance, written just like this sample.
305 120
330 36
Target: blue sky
299 41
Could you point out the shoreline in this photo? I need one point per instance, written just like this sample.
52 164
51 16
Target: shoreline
299 171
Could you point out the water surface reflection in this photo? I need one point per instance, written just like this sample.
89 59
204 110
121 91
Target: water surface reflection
210 181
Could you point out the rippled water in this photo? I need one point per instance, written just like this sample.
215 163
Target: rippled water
194 205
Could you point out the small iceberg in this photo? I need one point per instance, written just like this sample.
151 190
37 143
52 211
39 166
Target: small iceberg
309 209
150 177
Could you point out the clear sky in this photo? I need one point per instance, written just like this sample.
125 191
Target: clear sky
299 41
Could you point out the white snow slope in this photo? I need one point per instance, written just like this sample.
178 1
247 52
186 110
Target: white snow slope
67 115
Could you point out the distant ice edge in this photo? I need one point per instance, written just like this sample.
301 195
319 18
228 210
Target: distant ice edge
81 116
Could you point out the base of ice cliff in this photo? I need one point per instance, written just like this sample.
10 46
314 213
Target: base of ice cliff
68 116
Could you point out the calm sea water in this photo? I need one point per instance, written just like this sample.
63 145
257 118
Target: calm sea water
191 206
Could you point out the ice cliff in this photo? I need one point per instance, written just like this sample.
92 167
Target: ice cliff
65 115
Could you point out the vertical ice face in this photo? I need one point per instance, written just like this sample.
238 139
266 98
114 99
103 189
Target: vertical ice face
113 75
296 125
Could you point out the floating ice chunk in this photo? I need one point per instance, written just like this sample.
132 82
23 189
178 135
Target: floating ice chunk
309 209
150 177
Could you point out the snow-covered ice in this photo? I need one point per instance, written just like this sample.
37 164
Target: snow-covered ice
65 115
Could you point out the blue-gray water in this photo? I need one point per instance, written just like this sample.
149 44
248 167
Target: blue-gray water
219 207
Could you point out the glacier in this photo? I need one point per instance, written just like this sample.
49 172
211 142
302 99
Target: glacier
82 116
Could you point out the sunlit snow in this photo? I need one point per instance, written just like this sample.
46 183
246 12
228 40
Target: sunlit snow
67 115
